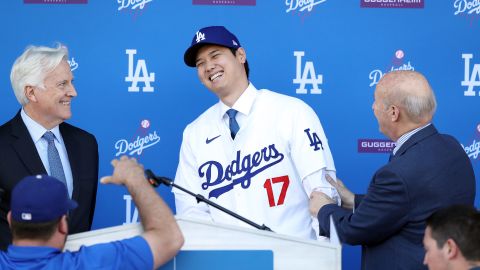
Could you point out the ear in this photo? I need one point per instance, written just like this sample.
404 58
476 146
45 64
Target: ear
9 218
241 55
30 93
394 113
63 225
451 249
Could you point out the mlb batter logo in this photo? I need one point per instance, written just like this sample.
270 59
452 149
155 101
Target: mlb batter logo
141 74
471 76
306 76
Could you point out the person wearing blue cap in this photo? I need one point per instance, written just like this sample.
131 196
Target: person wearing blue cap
38 141
256 152
40 207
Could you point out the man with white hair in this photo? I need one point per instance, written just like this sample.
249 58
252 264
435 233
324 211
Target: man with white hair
37 141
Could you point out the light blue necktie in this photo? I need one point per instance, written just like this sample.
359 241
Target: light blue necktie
233 123
56 168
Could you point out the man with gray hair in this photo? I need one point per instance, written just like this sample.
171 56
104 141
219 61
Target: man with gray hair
426 171
37 141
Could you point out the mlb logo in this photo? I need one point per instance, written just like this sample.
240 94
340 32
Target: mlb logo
26 216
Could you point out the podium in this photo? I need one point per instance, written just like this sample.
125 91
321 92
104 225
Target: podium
288 252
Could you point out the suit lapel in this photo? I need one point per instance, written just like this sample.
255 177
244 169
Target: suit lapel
23 144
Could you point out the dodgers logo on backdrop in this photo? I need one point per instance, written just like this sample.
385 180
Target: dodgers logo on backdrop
73 65
378 146
473 149
466 6
133 4
471 76
302 5
240 171
397 64
141 74
145 139
306 76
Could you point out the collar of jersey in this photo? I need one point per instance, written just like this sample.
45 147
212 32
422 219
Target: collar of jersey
24 252
244 103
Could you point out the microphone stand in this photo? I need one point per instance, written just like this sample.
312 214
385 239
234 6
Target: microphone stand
157 180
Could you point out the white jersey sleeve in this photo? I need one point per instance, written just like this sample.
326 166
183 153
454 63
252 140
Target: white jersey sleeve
309 147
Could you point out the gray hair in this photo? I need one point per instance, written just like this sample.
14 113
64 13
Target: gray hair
412 91
32 66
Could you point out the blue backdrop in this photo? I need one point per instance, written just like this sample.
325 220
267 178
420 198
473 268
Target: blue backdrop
136 95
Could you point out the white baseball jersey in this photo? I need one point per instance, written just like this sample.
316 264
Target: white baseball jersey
259 174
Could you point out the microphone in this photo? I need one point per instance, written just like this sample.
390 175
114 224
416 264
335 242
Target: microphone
155 181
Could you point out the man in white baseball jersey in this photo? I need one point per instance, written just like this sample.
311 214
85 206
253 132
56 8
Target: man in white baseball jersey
255 152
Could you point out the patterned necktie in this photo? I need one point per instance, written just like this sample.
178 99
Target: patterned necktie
56 168
233 123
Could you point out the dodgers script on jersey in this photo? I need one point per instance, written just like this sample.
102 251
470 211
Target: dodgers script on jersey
259 174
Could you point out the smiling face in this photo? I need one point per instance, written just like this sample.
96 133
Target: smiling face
221 71
50 106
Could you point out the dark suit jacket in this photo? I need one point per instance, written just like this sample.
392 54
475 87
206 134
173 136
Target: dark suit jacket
19 158
429 171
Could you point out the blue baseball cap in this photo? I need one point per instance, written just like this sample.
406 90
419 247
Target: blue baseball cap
216 35
40 198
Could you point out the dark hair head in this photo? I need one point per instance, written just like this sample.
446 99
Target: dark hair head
37 231
461 223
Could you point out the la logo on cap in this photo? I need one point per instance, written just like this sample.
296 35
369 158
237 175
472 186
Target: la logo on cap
200 36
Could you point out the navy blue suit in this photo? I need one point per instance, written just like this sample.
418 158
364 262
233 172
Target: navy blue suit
428 172
19 158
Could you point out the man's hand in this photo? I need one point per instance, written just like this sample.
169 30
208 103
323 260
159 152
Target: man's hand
125 169
347 197
317 201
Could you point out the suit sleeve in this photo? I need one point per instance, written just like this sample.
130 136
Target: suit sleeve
381 213
95 186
